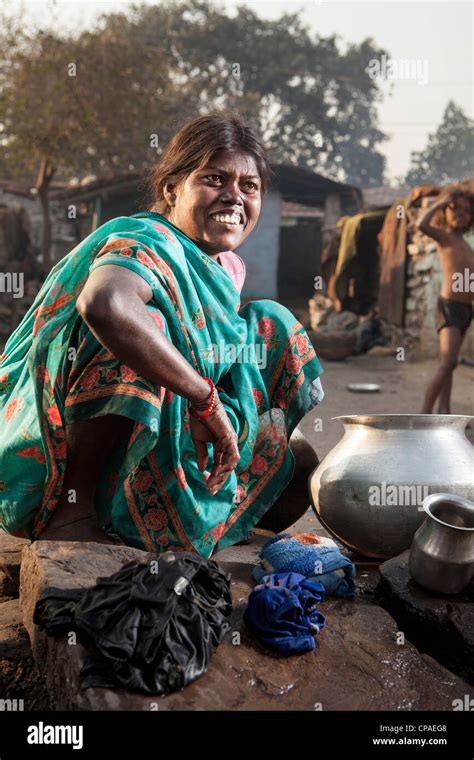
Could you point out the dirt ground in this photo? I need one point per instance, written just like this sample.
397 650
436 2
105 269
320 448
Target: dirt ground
402 387
21 680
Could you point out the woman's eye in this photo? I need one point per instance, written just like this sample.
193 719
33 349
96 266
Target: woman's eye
214 177
251 185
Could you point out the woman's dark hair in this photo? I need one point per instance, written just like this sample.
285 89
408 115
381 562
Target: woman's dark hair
195 144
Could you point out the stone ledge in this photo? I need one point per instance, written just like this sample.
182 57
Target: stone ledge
357 664
441 625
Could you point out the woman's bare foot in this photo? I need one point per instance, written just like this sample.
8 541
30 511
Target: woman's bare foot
294 501
89 444
82 529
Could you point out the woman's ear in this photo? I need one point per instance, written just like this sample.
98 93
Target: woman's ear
169 193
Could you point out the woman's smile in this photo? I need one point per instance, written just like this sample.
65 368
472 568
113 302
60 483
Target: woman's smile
230 219
230 223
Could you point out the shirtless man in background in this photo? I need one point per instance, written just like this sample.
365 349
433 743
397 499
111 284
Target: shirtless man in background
454 308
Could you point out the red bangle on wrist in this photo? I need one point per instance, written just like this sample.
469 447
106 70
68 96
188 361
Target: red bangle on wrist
211 405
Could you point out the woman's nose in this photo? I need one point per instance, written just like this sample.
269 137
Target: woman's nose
233 192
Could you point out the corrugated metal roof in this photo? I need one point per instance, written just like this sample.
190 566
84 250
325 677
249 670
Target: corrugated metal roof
106 186
383 196
296 184
297 209
299 184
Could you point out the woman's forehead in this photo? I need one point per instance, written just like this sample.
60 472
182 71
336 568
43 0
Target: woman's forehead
232 162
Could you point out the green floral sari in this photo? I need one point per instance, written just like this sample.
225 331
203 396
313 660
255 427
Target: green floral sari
151 492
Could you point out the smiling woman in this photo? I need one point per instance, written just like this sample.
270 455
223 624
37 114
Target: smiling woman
210 182
112 400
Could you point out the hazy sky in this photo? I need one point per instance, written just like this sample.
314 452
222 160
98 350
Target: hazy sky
436 34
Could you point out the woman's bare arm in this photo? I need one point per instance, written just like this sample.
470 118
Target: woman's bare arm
112 303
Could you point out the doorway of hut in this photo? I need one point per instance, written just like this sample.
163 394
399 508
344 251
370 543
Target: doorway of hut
299 261
350 262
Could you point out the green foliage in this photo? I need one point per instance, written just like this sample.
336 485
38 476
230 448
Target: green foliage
448 156
142 73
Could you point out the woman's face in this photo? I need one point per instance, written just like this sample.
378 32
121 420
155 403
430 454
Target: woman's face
218 206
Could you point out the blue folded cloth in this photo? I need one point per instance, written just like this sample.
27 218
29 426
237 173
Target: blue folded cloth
282 612
318 559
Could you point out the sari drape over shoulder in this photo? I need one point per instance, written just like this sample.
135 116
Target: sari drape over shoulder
151 493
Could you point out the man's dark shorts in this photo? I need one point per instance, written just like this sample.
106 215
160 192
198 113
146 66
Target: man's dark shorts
451 313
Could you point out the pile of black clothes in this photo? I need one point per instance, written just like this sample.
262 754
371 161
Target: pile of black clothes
154 626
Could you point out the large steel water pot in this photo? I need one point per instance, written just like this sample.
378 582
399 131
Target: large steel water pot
442 553
369 490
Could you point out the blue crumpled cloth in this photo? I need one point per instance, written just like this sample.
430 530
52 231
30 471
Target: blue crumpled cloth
320 564
282 612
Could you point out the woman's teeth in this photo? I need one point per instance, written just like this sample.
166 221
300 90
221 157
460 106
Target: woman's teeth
226 218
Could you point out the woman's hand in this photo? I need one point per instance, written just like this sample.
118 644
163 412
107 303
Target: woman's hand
215 429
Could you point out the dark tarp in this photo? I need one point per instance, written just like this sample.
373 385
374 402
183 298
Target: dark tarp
357 270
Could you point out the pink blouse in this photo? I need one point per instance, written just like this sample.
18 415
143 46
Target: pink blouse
234 266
